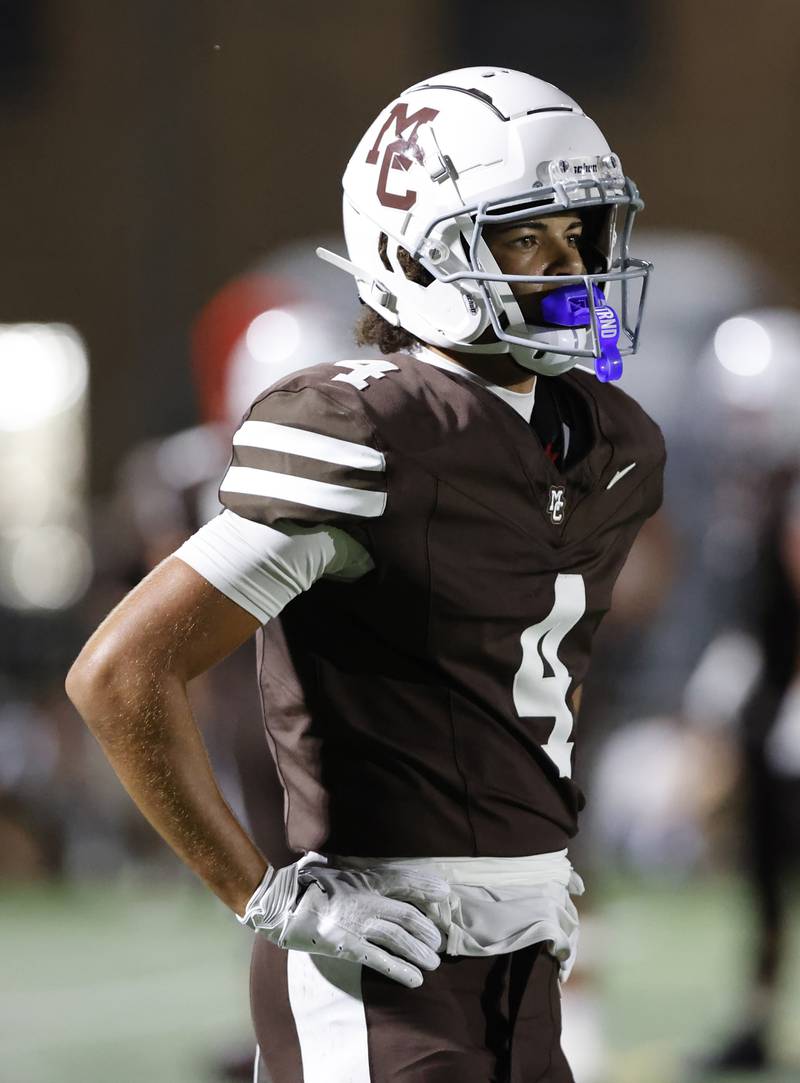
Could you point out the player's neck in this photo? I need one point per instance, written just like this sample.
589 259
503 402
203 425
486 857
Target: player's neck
499 369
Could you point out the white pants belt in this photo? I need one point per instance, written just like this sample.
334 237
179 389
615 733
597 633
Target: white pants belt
501 904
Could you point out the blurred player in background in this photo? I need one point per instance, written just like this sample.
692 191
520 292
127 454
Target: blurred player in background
426 545
747 685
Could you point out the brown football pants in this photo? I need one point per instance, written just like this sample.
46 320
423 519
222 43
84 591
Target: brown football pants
493 1019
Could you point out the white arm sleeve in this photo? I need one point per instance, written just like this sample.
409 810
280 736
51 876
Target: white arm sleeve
262 568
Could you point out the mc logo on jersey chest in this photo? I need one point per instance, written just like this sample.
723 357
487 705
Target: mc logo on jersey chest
556 504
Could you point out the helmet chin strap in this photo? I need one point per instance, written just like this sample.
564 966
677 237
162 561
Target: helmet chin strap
545 362
495 347
381 297
344 264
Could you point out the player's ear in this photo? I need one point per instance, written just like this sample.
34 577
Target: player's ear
383 251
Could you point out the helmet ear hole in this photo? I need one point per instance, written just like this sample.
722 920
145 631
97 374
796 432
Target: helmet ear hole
383 251
413 270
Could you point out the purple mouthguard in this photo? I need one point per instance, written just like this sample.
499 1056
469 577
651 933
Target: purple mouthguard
568 306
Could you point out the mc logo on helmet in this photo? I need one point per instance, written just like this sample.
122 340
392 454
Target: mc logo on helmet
399 153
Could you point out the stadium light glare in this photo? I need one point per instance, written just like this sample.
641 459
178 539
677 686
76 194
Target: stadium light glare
43 371
51 567
273 336
45 557
742 346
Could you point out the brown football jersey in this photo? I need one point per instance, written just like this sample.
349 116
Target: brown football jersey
426 708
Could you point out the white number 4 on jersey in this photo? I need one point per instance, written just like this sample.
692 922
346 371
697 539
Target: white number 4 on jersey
538 694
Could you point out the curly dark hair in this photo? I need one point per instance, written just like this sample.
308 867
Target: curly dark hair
371 328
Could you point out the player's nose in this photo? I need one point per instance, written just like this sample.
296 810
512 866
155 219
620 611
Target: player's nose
564 259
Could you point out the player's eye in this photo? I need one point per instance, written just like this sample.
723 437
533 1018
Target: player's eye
528 240
574 239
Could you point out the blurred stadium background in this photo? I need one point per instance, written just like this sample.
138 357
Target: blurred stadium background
167 171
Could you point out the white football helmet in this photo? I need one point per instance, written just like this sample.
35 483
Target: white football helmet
478 147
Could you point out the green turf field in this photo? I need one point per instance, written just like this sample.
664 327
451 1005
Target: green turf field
128 985
681 985
119 985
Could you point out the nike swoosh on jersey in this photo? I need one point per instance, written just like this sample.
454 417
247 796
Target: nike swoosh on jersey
620 474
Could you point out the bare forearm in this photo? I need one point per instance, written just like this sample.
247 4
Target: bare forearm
145 727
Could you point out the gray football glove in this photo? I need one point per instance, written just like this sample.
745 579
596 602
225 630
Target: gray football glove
369 916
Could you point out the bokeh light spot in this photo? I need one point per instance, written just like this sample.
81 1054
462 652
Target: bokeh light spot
43 371
742 346
273 336
50 567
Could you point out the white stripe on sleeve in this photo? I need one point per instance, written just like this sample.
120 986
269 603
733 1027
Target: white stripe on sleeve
313 445
304 491
262 568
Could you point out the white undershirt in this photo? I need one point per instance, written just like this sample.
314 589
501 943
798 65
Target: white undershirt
262 568
521 401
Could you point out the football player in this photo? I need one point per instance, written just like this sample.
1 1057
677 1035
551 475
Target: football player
425 543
